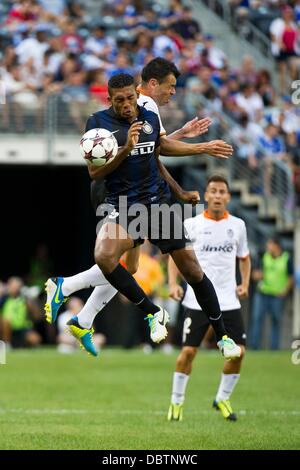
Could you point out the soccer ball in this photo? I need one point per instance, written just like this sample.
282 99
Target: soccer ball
98 146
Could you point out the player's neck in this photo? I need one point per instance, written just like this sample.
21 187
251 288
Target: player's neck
143 91
216 215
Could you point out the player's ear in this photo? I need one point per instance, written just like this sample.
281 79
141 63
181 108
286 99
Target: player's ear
205 196
153 82
109 99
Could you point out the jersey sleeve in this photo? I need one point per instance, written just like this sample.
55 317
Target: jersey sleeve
152 106
243 249
91 123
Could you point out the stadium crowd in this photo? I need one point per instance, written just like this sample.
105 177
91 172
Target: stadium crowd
55 49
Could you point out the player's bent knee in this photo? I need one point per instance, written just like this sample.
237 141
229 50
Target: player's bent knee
105 260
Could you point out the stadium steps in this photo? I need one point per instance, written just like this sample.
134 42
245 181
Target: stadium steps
262 222
226 39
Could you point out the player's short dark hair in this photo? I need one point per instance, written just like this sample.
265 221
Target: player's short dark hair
120 80
218 179
159 69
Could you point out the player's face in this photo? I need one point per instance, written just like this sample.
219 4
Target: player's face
124 102
165 90
217 197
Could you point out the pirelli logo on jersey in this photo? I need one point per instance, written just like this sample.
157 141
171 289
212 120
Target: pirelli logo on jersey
143 148
227 248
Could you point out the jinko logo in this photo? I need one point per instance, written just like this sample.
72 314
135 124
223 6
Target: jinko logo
296 354
2 353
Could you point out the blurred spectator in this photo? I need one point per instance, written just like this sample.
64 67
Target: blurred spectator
264 88
100 44
250 102
17 314
33 47
98 88
212 55
271 147
275 276
247 72
244 138
186 26
122 64
75 92
71 40
23 11
283 33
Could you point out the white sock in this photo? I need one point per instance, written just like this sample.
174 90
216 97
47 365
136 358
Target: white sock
179 385
227 384
100 296
90 278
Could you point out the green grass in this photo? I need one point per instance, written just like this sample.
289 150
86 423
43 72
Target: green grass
120 400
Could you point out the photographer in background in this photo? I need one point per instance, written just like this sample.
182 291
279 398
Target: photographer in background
17 316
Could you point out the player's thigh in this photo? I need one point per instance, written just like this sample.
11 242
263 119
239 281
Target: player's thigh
235 326
131 259
112 241
195 326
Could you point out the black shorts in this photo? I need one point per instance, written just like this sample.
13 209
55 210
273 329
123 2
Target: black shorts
196 325
158 223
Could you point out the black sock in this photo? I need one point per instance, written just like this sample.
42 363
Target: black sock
124 282
207 299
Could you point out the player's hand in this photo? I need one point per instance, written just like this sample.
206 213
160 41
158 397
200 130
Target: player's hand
195 127
133 135
190 197
176 292
242 291
219 148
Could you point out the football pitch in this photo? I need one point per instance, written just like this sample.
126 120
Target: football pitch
120 401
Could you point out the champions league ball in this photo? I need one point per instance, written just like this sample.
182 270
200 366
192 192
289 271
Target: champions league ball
98 146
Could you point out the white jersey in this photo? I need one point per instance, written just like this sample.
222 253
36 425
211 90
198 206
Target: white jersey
149 103
217 244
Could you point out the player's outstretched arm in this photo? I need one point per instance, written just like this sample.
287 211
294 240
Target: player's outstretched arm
189 197
176 148
96 172
192 128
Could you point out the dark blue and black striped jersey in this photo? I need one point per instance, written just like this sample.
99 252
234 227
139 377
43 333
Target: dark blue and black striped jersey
138 175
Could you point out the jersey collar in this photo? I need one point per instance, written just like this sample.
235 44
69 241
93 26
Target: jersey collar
207 216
